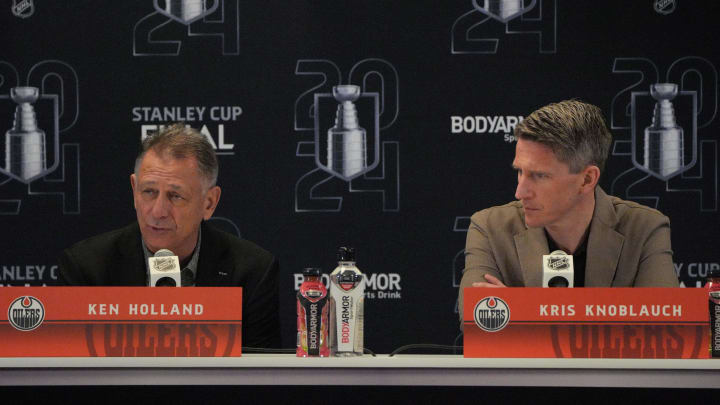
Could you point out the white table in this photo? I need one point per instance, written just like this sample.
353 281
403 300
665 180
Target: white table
400 370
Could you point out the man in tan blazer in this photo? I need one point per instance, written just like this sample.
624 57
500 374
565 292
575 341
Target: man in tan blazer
560 152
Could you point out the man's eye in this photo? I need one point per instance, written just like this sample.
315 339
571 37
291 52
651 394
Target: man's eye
149 192
176 197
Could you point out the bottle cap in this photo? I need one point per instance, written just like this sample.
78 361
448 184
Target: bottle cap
346 254
312 271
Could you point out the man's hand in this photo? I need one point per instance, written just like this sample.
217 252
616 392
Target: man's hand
492 282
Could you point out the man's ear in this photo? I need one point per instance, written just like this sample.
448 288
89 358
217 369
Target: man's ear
132 185
591 176
212 197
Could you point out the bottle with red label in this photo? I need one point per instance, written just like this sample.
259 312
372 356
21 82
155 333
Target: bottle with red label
713 287
312 316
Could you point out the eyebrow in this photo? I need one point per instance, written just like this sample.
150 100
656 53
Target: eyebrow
153 182
531 171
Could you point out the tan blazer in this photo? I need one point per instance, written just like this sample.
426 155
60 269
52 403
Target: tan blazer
628 246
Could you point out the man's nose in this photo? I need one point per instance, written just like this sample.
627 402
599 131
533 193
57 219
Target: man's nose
160 208
523 191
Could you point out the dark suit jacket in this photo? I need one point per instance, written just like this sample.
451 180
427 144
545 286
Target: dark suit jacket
628 246
116 258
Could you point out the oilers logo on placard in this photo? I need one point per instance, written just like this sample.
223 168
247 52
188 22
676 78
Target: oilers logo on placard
491 314
26 313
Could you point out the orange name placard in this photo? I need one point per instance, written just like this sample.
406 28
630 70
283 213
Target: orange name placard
586 322
120 321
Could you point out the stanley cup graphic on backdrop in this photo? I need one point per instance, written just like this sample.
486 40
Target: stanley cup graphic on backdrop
347 146
25 142
185 9
504 8
663 150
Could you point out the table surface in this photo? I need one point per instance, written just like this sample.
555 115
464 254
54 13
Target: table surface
434 370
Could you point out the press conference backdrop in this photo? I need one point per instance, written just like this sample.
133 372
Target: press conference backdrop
442 85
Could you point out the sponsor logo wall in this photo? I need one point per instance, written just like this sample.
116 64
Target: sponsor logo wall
428 92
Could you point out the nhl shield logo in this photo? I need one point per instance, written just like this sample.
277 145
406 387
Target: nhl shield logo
664 130
26 313
558 263
664 7
23 8
186 11
491 314
344 140
503 10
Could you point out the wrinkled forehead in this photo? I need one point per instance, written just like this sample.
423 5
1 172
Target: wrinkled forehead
167 156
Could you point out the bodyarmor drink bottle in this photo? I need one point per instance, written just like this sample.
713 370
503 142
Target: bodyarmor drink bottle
713 287
312 316
347 293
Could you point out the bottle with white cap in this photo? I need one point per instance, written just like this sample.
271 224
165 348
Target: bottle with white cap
347 293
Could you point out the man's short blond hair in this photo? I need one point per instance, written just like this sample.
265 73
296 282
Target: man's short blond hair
575 131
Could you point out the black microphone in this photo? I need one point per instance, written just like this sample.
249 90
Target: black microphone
558 269
164 269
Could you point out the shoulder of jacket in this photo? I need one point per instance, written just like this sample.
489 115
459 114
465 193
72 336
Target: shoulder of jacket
107 239
624 208
509 211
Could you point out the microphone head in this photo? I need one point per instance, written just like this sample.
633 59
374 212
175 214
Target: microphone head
163 253
164 269
558 270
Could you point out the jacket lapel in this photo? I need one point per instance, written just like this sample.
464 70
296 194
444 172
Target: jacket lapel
604 243
211 270
531 244
135 274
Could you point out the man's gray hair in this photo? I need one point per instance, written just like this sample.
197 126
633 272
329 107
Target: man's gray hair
182 142
575 131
